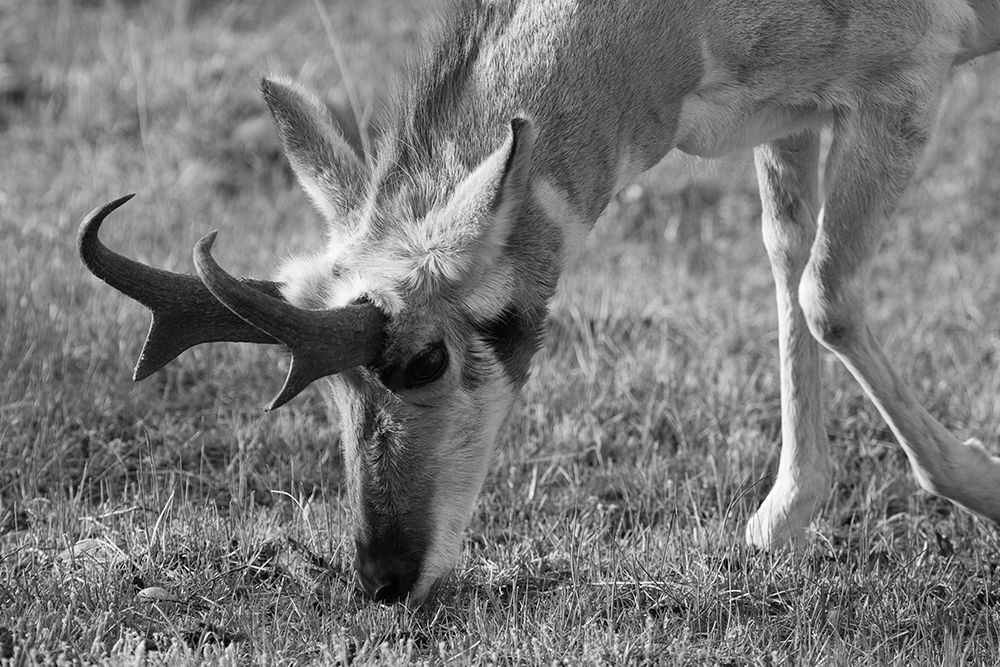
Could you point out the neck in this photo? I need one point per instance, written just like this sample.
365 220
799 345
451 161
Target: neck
602 84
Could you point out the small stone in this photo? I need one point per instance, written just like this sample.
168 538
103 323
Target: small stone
156 594
92 551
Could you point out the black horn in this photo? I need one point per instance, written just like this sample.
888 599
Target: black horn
185 313
322 342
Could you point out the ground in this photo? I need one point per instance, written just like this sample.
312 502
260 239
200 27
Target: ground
172 521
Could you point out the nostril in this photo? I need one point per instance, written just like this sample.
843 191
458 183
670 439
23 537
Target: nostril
387 593
387 575
387 587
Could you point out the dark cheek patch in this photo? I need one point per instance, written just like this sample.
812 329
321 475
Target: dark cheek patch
514 336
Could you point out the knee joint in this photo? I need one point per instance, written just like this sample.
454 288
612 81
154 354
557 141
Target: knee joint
834 317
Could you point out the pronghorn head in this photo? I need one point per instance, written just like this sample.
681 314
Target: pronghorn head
423 311
433 244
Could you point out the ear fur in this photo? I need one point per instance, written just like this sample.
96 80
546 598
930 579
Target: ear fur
481 213
514 182
329 170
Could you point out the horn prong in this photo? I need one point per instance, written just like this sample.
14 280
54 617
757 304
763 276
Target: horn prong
322 342
215 306
295 382
184 312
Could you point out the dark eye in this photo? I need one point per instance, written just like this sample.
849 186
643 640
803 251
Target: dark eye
426 367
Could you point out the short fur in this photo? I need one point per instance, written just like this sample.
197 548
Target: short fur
522 123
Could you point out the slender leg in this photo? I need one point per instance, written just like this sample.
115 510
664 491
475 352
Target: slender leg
873 157
787 171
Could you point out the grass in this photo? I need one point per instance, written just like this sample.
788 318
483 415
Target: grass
610 531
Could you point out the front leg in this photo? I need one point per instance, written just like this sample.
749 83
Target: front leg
787 171
873 156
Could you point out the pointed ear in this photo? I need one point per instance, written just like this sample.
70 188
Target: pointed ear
486 204
514 183
329 170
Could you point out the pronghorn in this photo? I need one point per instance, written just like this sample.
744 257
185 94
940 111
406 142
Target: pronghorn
428 303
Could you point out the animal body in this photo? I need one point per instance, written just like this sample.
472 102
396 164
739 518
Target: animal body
428 302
